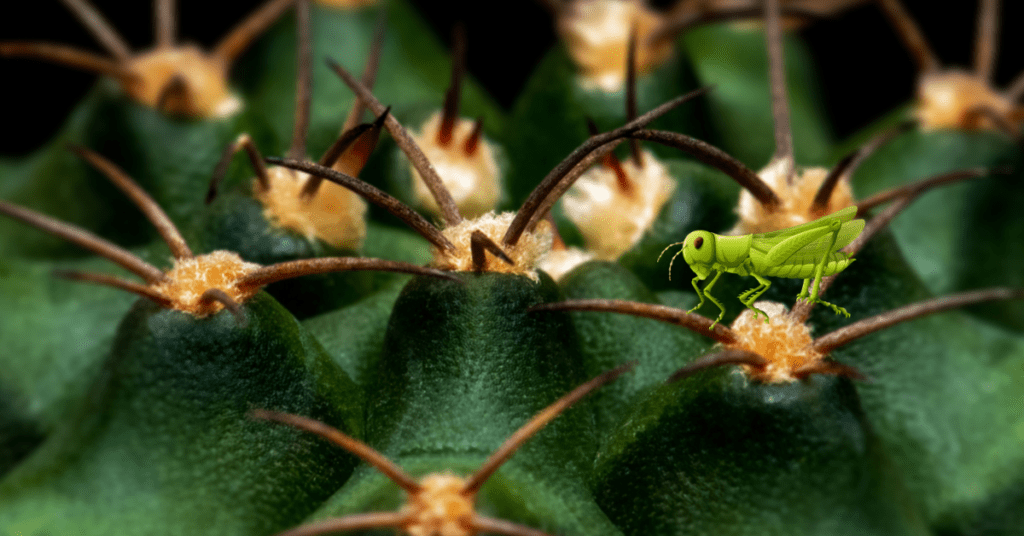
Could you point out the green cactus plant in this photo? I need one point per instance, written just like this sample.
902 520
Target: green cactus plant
149 418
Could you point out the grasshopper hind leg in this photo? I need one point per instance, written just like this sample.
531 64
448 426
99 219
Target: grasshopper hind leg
812 297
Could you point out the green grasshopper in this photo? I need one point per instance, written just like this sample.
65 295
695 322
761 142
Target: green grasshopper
808 251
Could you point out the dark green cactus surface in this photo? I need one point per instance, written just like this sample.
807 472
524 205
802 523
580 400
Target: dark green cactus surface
132 414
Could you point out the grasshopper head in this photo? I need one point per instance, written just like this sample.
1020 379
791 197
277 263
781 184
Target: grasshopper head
699 252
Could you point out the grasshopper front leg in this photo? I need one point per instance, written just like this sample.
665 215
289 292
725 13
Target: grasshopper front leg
707 293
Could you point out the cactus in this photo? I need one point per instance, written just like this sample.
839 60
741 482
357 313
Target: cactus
143 407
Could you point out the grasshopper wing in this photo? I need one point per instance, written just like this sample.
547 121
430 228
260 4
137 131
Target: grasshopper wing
813 251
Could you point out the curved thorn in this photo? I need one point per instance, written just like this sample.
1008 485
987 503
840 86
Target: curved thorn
693 322
500 526
100 29
452 96
217 295
912 37
365 452
302 267
779 95
550 182
116 282
156 215
165 22
987 36
374 195
63 55
719 359
369 72
473 141
535 424
481 244
303 80
84 239
245 32
913 190
255 158
544 210
370 520
612 162
713 156
847 334
849 164
449 211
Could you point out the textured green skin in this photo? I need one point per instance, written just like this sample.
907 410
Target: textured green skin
716 454
163 445
734 60
549 119
414 69
464 366
949 233
610 340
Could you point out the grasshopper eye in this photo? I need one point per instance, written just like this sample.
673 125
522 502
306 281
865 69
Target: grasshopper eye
698 242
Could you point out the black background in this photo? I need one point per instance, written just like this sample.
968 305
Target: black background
864 69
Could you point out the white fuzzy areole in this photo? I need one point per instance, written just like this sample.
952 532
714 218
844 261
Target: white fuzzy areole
596 32
205 76
952 98
474 180
526 254
796 200
613 221
334 215
440 507
559 262
784 342
189 278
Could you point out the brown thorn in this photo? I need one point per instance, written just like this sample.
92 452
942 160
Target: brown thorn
719 359
100 29
291 269
914 189
369 71
339 146
245 32
1016 89
63 55
535 424
544 210
802 309
303 80
453 95
449 210
779 95
363 451
473 141
217 295
165 22
358 155
374 195
481 244
849 164
911 34
84 239
677 24
500 526
370 520
847 334
713 156
999 120
116 282
255 159
631 105
145 203
695 323
612 162
550 182
985 48
176 89
829 368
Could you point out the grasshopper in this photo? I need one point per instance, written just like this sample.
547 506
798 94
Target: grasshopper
808 251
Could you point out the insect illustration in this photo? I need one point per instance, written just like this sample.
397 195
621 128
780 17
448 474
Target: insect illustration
808 251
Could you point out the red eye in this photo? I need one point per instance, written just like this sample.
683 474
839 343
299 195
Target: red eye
698 242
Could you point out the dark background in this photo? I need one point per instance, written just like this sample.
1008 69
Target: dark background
864 69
